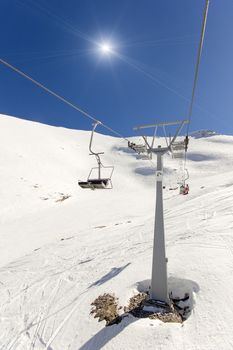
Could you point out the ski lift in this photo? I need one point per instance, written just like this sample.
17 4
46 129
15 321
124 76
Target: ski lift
144 156
178 149
184 188
180 182
98 182
173 182
184 177
143 150
139 148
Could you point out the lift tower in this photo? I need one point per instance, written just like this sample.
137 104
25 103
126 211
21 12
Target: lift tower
159 289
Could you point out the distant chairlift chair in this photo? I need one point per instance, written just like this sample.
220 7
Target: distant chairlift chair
142 150
178 149
99 182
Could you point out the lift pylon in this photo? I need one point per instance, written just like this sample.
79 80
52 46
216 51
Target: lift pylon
159 289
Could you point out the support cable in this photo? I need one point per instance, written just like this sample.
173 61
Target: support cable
196 75
84 113
198 63
87 115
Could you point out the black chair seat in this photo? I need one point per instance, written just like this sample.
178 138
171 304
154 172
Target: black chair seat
94 183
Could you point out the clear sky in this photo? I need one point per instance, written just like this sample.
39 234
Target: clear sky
148 77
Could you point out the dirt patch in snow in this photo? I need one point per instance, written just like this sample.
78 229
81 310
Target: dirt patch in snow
140 307
136 303
105 307
63 197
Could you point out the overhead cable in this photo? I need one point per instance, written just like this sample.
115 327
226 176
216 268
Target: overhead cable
61 98
196 73
198 63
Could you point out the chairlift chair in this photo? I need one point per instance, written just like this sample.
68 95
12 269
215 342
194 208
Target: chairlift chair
178 146
138 148
182 182
143 150
144 156
97 182
177 154
178 149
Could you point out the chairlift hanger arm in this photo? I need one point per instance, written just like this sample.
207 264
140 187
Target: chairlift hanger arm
182 123
91 139
146 142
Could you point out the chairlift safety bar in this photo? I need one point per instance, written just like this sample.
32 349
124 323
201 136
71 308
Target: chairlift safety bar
102 167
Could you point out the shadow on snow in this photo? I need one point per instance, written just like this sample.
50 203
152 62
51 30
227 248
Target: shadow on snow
111 274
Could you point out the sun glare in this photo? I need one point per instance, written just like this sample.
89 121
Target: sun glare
106 48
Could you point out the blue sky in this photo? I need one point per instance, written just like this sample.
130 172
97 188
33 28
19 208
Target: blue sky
148 77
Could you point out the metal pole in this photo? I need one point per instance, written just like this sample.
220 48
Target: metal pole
99 166
159 290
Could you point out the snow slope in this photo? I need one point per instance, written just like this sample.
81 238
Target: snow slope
58 255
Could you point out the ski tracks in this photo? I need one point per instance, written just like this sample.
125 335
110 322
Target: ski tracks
46 289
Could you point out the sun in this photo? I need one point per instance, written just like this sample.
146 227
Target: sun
106 48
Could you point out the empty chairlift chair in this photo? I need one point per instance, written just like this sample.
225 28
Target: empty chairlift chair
97 182
178 149
141 150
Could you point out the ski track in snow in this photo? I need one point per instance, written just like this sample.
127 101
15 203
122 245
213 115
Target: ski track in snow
57 257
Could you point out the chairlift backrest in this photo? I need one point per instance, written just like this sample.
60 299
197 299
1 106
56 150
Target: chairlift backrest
177 154
178 149
178 146
140 148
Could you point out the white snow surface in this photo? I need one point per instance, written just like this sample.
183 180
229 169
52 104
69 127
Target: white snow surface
57 256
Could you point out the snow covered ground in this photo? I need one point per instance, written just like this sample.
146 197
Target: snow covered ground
57 256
